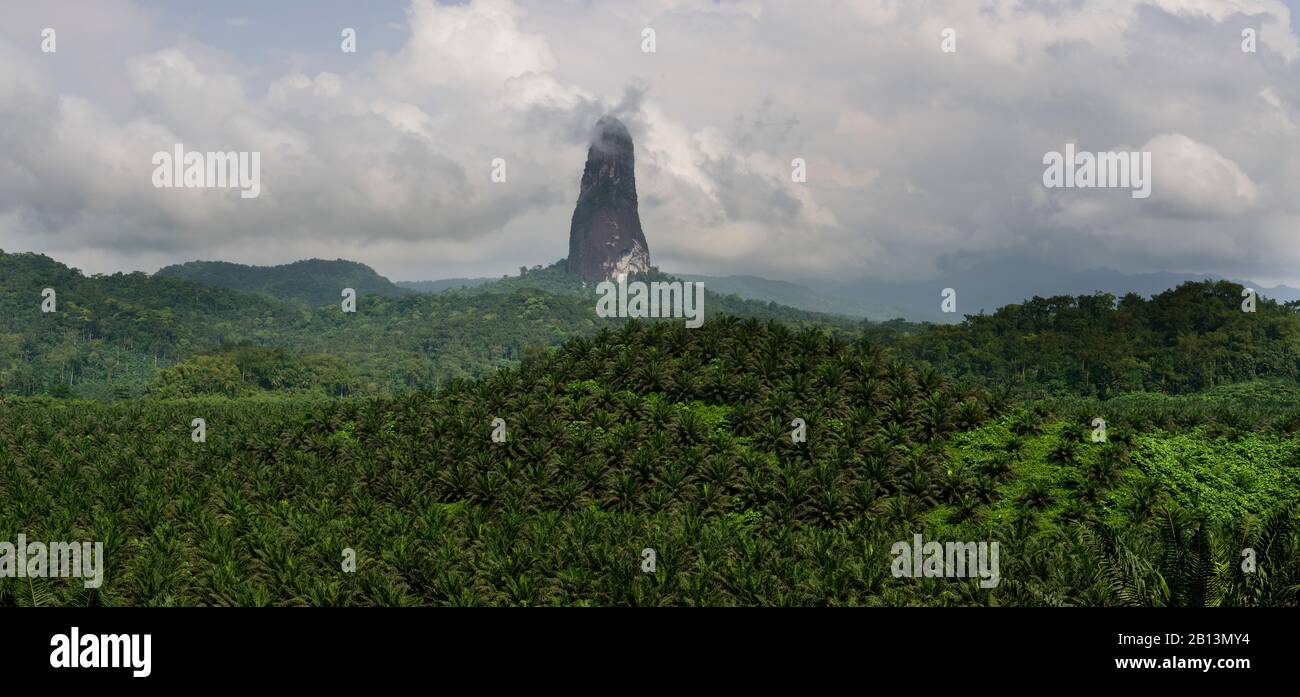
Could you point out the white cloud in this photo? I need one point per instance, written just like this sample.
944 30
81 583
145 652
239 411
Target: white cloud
478 45
1195 180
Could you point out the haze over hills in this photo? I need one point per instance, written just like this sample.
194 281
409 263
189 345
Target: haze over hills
984 288
988 286
800 296
441 285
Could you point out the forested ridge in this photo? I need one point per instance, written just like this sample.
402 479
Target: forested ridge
1193 337
311 282
117 336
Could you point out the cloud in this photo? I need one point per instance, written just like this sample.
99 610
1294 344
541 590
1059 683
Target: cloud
915 157
1196 181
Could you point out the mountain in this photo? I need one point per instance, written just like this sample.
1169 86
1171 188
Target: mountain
126 335
311 282
110 334
605 237
797 296
442 284
987 286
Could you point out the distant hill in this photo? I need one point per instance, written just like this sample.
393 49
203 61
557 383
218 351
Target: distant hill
798 296
311 282
1193 337
988 286
174 333
982 288
439 286
109 335
763 290
130 334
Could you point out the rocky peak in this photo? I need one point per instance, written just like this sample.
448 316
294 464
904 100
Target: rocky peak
605 237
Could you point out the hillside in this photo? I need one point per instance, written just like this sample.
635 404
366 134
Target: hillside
114 336
441 284
762 290
799 296
985 287
637 435
1191 338
311 282
110 334
677 441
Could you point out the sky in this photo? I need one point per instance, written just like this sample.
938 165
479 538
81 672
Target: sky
918 160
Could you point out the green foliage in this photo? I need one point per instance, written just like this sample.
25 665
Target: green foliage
620 442
1194 337
311 282
113 334
245 370
1224 478
371 431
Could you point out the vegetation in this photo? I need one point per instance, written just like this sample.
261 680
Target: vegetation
1191 338
311 282
655 436
246 370
112 335
373 432
441 284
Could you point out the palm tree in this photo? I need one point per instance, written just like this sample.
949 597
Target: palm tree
1261 556
1037 495
1185 569
1064 453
